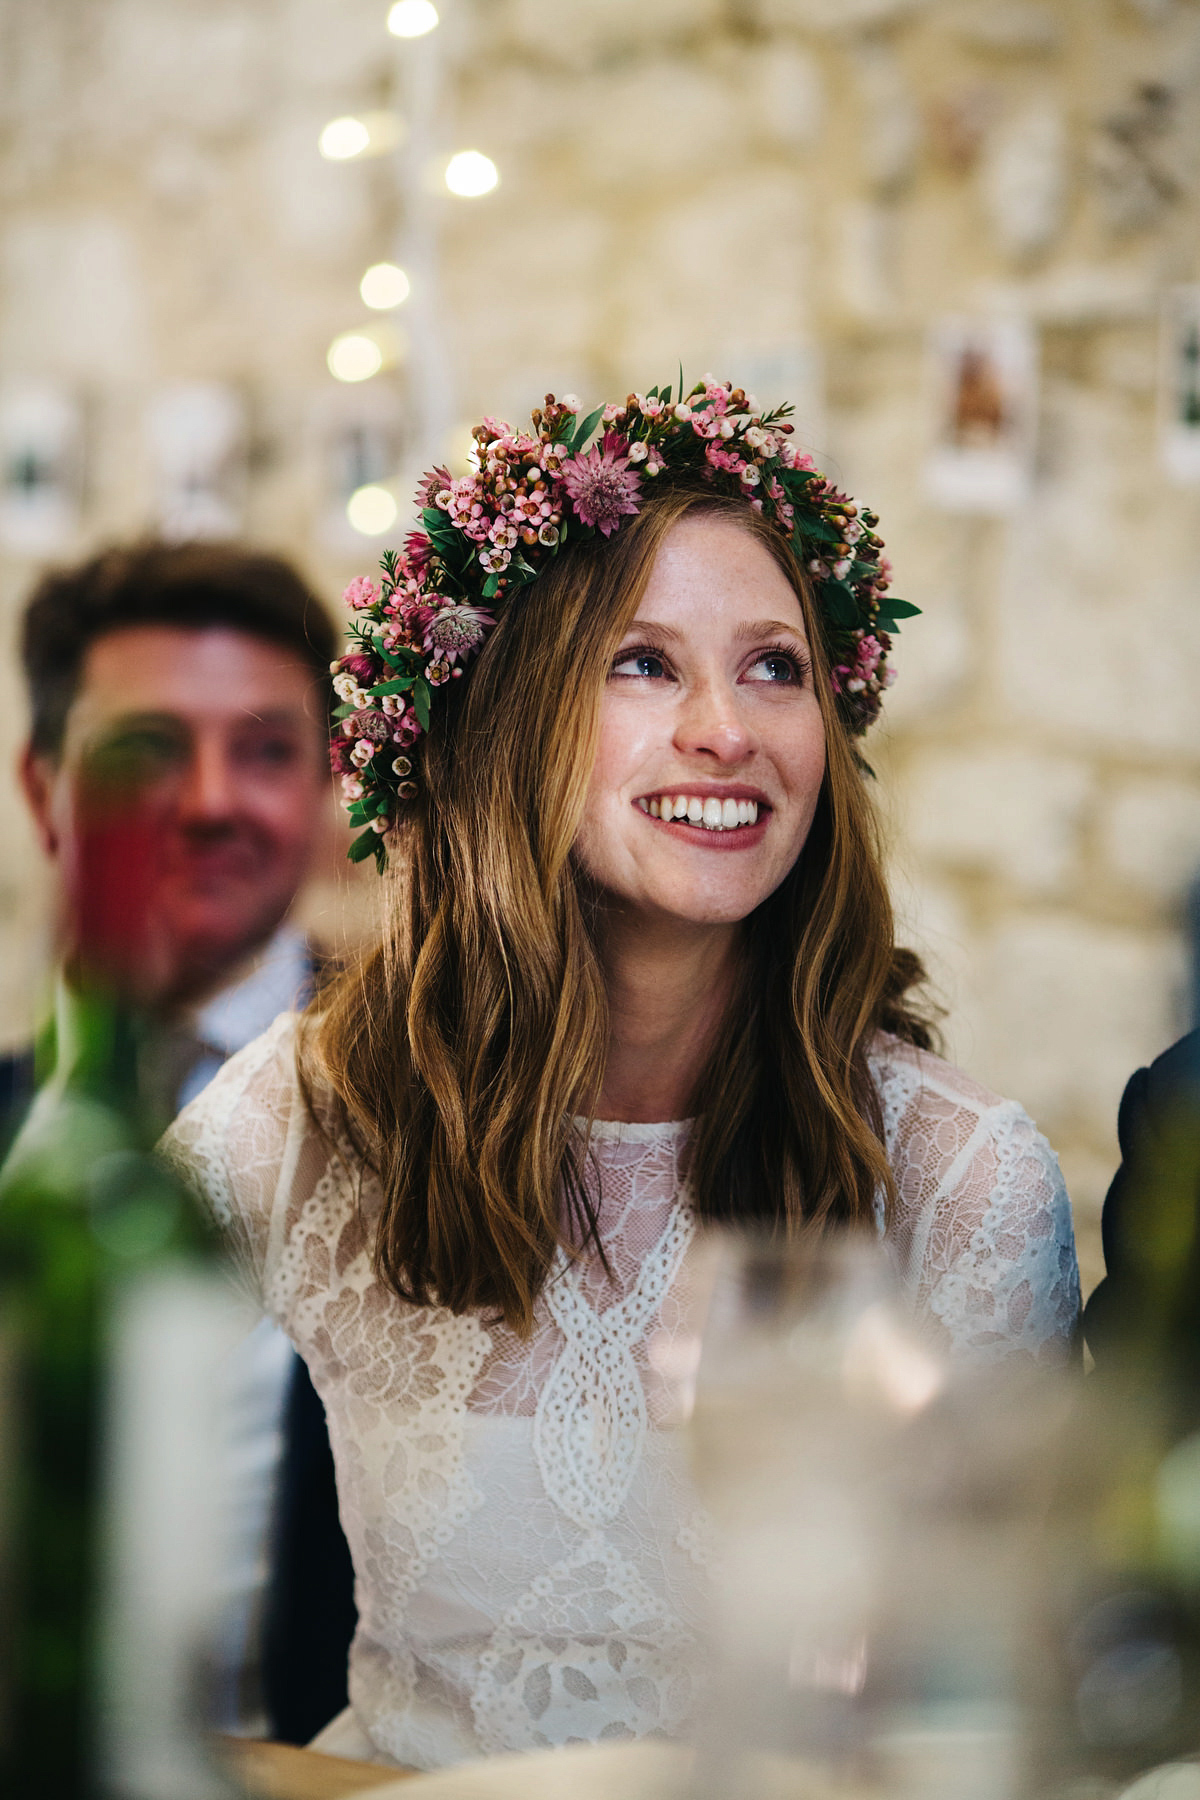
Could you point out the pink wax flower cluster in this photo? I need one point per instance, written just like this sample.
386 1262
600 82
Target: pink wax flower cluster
490 531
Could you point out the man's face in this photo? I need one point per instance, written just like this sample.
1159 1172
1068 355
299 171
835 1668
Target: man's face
221 736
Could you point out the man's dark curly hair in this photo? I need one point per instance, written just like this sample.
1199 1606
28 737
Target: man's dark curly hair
193 586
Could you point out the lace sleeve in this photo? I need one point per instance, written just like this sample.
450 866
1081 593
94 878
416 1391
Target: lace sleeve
982 1226
233 1144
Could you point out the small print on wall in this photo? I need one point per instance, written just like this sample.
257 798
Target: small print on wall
982 385
1179 385
41 456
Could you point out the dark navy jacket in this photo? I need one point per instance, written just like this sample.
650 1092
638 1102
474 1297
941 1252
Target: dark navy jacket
1151 1219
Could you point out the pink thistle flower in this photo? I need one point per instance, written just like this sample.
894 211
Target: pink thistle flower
437 481
417 550
458 631
361 593
602 486
370 726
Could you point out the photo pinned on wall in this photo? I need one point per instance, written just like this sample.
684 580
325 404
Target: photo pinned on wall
982 377
359 450
1179 385
196 434
41 465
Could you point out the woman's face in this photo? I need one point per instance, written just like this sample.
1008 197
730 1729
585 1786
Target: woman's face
712 746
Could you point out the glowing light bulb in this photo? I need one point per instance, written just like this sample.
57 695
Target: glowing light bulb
372 510
470 174
412 18
354 357
383 286
343 139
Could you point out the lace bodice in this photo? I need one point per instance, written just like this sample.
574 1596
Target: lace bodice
527 1549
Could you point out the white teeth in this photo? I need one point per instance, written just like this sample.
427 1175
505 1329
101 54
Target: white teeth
711 813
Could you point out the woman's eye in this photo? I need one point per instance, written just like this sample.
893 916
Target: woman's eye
647 664
776 665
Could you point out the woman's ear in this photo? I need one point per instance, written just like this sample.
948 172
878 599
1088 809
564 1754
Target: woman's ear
38 774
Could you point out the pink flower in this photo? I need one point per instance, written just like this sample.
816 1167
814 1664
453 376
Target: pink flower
723 459
602 485
870 651
431 485
417 550
457 630
361 593
369 725
360 667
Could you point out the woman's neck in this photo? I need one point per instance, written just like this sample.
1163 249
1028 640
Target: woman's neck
669 988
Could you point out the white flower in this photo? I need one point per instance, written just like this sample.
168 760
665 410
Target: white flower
842 568
362 753
352 787
853 532
683 411
725 429
636 453
572 402
379 825
393 705
750 476
402 766
346 688
764 441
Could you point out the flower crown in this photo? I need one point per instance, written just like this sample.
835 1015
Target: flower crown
490 532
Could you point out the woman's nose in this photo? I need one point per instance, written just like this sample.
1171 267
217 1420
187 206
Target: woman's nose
711 723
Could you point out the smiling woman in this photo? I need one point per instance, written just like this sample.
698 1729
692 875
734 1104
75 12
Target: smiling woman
639 974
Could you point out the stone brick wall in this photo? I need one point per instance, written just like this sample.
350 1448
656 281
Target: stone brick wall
789 191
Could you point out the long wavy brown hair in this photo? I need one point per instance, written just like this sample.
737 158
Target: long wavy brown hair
464 1048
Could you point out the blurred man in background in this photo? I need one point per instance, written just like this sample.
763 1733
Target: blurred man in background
198 676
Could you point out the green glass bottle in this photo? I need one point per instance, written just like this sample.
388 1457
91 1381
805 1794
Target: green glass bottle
113 1315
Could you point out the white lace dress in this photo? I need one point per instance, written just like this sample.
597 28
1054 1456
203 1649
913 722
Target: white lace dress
524 1537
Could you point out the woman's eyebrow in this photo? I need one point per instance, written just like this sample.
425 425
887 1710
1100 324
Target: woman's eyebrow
753 628
761 628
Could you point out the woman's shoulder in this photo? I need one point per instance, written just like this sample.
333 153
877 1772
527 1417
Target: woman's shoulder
906 1076
981 1223
241 1119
